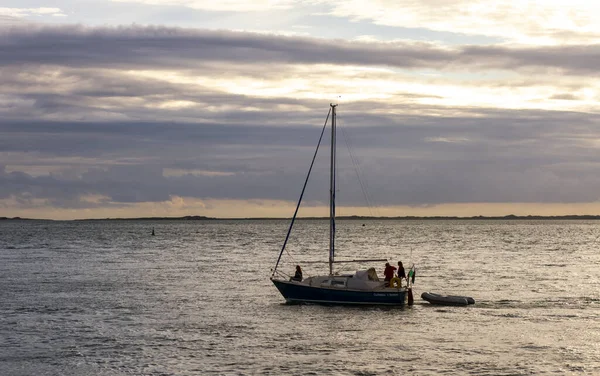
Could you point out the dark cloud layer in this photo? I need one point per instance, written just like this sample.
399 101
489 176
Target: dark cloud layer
162 47
506 157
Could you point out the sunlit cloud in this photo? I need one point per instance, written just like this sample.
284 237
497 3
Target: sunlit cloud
221 5
527 22
29 12
169 172
355 83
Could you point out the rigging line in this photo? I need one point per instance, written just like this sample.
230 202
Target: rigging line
301 194
371 202
358 171
372 205
356 166
287 252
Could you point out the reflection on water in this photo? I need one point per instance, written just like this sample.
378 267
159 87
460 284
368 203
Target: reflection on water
107 298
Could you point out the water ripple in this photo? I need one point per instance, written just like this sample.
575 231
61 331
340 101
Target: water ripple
104 298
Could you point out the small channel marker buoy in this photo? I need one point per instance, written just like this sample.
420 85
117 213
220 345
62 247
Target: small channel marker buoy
153 231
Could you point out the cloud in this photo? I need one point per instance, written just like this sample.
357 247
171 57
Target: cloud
29 12
504 157
220 6
137 47
565 97
532 22
6 21
527 22
119 117
159 47
136 73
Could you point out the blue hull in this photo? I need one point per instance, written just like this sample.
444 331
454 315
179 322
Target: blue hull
295 293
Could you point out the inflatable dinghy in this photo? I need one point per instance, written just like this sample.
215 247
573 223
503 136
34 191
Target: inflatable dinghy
450 300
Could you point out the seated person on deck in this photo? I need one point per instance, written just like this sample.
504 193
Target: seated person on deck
298 275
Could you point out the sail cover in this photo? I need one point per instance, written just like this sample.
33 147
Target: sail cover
367 275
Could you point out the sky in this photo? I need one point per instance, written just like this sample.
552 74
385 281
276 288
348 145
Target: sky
140 108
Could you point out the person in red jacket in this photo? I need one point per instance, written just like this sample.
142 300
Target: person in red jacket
388 273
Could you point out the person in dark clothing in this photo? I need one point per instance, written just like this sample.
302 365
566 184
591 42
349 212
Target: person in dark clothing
388 273
401 272
298 275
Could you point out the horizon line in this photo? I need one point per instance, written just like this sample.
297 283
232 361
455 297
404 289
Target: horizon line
347 217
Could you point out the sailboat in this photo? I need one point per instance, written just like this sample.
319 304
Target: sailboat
360 288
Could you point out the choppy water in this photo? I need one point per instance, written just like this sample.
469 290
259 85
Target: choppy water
105 298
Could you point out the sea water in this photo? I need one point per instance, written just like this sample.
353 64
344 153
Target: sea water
107 298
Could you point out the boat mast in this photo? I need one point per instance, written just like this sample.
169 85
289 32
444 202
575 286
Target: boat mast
332 192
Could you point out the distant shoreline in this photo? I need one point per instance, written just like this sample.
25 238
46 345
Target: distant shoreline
352 217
